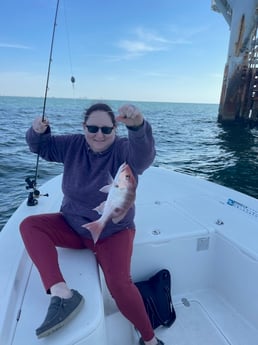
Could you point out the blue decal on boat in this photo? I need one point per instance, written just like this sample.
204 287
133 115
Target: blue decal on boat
242 207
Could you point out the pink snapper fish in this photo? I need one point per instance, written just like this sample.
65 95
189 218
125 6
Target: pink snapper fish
121 196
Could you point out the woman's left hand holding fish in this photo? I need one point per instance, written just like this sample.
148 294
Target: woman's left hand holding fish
130 116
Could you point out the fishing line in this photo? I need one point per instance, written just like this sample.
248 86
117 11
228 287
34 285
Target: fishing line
69 46
32 183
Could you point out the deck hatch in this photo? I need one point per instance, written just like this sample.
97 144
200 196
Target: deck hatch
203 243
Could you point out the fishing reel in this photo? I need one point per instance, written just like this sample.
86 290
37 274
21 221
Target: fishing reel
34 194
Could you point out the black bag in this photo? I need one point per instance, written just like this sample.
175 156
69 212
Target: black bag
156 294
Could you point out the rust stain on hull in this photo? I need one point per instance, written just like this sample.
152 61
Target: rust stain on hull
239 94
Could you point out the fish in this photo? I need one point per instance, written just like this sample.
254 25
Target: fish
121 196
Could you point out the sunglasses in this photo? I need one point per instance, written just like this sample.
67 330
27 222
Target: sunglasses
95 129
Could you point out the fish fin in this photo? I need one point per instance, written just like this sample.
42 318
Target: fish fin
120 217
95 229
100 208
110 179
106 189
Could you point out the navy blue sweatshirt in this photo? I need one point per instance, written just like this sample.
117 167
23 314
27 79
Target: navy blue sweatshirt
86 172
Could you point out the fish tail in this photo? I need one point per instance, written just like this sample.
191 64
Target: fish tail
95 228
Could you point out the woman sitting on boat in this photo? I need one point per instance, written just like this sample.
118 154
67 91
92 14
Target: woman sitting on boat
88 160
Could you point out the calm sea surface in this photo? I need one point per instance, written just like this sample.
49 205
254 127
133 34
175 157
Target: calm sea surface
188 139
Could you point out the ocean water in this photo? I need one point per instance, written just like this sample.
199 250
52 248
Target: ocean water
188 139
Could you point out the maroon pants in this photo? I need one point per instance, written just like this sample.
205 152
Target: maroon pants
43 233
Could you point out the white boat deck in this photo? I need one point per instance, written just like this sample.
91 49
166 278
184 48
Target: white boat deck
207 320
81 268
184 224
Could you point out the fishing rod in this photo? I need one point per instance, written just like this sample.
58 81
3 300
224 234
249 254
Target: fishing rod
34 194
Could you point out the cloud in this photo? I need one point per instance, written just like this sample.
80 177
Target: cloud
187 34
143 42
13 46
149 36
137 47
147 41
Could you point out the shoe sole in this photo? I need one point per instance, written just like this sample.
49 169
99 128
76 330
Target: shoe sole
62 323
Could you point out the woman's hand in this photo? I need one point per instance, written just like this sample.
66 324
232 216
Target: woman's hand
130 116
40 126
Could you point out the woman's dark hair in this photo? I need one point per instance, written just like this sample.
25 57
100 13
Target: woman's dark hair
102 107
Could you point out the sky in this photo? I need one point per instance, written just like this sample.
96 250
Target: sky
141 50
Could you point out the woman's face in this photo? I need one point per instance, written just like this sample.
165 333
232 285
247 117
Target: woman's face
99 141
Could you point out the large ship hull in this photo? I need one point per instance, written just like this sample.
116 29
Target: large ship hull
239 95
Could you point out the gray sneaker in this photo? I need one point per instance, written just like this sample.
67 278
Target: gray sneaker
159 342
60 312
